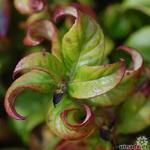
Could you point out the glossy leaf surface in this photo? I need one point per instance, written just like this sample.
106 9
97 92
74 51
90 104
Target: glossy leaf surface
83 44
97 80
126 87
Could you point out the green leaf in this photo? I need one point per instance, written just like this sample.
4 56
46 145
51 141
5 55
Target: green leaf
42 61
142 5
118 94
66 119
140 41
127 85
134 114
93 81
83 44
116 22
35 106
35 80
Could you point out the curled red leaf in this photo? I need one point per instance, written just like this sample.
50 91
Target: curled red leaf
88 118
9 103
69 11
67 124
41 29
29 6
35 80
86 9
136 58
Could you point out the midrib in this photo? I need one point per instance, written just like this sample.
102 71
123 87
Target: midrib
81 41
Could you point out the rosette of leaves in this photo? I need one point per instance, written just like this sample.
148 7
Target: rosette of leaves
73 73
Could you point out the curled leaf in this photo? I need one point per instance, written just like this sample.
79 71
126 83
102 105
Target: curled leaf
82 123
83 44
4 17
128 84
69 11
136 58
29 6
96 79
35 80
67 125
33 105
85 8
41 29
42 61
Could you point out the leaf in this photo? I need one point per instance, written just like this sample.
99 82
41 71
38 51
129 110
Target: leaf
93 81
35 80
83 44
127 85
116 22
42 61
134 114
41 29
29 6
35 106
140 41
142 5
68 125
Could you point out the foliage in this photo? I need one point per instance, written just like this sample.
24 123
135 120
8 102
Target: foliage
73 88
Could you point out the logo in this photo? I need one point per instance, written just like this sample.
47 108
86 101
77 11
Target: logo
142 141
140 144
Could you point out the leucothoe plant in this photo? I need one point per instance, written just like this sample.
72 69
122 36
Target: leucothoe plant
74 73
